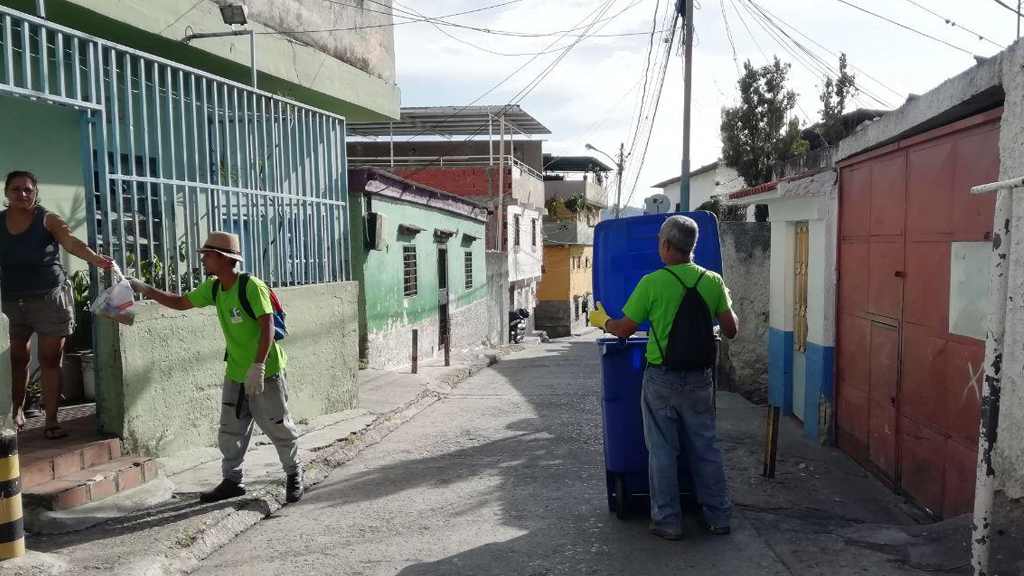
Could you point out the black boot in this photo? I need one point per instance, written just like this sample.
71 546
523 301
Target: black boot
226 489
294 489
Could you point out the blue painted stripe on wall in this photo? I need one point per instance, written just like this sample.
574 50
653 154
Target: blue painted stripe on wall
820 383
780 369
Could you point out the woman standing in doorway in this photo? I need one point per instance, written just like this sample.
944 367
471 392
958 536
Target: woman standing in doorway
35 292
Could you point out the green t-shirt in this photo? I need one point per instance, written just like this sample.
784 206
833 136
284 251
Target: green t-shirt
241 333
657 297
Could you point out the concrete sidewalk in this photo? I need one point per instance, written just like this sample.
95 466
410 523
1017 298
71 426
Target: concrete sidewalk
161 528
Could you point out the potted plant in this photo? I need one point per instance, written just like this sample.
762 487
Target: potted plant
77 365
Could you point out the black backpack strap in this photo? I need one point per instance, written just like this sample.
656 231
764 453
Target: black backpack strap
680 280
243 295
654 331
216 290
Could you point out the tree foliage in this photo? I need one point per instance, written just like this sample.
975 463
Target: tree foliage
761 131
834 94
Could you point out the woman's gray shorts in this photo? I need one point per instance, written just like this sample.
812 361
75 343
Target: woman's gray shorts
51 315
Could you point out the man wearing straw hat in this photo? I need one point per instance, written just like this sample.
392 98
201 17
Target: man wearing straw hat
254 385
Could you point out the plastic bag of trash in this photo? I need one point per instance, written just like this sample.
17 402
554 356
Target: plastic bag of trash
116 302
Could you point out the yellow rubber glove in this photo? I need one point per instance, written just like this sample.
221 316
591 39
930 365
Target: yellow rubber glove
598 317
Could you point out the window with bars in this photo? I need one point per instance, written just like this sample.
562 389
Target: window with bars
469 270
517 223
533 232
409 270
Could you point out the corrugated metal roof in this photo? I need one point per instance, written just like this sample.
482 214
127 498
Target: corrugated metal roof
554 163
448 121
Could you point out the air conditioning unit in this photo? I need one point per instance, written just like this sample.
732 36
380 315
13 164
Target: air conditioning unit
376 231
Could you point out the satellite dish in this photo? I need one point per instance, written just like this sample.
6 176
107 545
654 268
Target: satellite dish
657 204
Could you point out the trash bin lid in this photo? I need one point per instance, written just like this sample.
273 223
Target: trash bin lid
625 249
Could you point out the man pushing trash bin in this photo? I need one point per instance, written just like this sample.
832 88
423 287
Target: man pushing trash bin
680 300
254 384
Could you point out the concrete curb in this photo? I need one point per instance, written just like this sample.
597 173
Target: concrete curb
198 545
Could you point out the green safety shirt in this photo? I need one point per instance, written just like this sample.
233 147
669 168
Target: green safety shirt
658 295
241 333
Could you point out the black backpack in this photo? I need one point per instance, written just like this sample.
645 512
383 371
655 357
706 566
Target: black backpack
280 331
691 342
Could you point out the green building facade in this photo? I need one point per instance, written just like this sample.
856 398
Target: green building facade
418 255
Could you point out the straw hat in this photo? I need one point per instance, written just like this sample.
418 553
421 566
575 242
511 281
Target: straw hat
223 243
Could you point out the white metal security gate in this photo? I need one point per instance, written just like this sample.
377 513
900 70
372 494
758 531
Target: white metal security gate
172 153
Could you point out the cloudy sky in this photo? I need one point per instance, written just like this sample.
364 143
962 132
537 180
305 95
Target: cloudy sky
592 94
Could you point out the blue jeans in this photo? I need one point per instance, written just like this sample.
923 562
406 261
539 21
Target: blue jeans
678 407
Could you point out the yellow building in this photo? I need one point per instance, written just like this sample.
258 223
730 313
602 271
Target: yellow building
574 198
565 293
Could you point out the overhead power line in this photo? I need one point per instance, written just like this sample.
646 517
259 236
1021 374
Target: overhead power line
655 107
441 21
1010 8
954 24
495 52
905 27
830 52
803 56
647 60
597 13
728 33
597 123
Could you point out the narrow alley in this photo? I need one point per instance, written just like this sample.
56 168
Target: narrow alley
506 476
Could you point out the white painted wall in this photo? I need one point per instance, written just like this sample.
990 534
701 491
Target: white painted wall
721 180
821 275
526 262
783 261
813 200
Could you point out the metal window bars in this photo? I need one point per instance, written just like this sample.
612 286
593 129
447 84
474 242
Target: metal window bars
469 270
410 287
171 153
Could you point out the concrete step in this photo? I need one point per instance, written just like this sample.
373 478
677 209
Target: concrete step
41 466
92 483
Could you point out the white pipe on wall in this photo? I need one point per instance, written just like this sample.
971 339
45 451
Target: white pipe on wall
986 477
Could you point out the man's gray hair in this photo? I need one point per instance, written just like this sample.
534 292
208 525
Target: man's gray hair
680 232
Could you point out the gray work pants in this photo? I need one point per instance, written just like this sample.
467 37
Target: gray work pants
270 411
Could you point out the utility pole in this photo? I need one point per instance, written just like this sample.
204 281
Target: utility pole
685 9
619 164
500 227
618 167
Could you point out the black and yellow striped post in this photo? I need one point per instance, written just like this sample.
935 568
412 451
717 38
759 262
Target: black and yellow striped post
12 527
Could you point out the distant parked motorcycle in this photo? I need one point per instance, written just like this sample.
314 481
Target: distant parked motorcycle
517 325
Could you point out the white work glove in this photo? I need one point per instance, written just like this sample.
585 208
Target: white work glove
138 285
254 379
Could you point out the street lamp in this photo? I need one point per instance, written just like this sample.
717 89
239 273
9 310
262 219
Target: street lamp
618 170
234 15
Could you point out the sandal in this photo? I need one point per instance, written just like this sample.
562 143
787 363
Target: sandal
54 432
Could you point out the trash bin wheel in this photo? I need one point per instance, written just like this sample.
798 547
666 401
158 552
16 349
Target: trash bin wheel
621 498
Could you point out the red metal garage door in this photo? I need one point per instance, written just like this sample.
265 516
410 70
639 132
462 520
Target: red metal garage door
908 390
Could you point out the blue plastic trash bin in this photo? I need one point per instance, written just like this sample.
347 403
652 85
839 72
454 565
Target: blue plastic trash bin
624 250
625 453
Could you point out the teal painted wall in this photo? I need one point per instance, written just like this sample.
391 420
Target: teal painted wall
45 140
383 305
